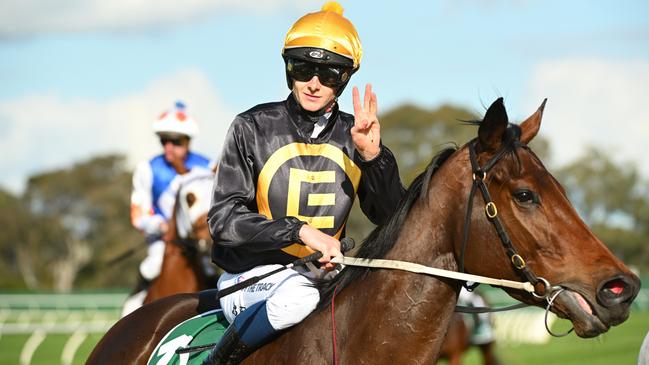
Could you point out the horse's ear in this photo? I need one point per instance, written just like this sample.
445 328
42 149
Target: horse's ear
493 126
530 127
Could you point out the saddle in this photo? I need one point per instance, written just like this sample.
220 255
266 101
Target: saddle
200 332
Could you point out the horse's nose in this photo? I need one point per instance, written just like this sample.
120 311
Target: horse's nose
619 289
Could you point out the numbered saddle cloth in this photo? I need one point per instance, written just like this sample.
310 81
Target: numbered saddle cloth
203 329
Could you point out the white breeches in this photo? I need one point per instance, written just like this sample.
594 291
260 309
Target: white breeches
468 298
133 302
152 263
484 332
289 295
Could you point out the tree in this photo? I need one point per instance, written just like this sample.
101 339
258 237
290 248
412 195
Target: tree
22 240
90 204
415 135
612 199
13 239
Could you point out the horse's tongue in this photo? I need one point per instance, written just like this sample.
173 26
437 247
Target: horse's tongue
582 302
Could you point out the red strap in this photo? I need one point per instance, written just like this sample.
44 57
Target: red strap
333 326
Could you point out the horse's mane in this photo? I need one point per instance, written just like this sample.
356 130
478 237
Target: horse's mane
382 238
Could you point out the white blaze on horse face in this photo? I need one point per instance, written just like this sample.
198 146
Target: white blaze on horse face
201 205
198 184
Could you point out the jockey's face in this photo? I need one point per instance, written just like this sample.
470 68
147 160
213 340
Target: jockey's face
176 148
312 95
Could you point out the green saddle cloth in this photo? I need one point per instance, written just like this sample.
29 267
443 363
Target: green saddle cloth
206 328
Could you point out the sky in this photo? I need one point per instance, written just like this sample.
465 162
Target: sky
82 78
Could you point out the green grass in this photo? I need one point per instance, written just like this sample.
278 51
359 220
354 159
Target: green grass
619 346
49 352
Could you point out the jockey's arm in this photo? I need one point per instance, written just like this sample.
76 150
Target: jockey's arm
142 215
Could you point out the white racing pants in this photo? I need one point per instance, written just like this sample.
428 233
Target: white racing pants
290 296
149 268
481 332
152 264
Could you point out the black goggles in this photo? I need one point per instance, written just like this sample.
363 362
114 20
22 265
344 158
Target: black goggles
176 141
330 76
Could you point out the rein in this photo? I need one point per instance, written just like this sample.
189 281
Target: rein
427 270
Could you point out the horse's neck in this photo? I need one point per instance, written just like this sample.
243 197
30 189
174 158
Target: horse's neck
412 311
401 316
427 236
178 273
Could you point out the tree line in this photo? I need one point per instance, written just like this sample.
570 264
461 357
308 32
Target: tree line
69 227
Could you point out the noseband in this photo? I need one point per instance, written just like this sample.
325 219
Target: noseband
542 288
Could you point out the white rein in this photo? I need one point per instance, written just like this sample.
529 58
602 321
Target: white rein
421 269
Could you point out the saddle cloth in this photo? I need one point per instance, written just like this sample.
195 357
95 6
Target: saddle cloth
203 329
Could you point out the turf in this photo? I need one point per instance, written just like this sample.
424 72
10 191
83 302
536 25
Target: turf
619 346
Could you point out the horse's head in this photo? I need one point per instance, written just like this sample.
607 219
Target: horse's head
531 231
192 203
187 242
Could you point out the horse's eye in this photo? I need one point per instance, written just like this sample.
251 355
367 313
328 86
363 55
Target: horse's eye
525 196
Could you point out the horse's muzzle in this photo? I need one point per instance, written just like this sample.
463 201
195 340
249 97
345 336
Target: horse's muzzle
593 313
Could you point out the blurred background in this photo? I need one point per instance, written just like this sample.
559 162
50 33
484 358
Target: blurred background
83 81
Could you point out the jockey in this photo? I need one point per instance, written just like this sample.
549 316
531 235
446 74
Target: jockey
288 176
151 207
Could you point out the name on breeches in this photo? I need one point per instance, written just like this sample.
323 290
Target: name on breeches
259 287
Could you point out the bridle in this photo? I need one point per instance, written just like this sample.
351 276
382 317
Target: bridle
537 286
479 174
193 244
542 287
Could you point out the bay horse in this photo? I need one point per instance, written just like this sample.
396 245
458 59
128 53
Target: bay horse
397 317
188 243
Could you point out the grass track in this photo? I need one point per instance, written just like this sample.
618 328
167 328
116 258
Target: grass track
619 346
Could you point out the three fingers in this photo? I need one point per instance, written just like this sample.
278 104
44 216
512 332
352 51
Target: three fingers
366 113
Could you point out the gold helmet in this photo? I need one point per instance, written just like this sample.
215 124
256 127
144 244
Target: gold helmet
324 37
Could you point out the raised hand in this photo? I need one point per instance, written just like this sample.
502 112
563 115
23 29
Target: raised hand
366 132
